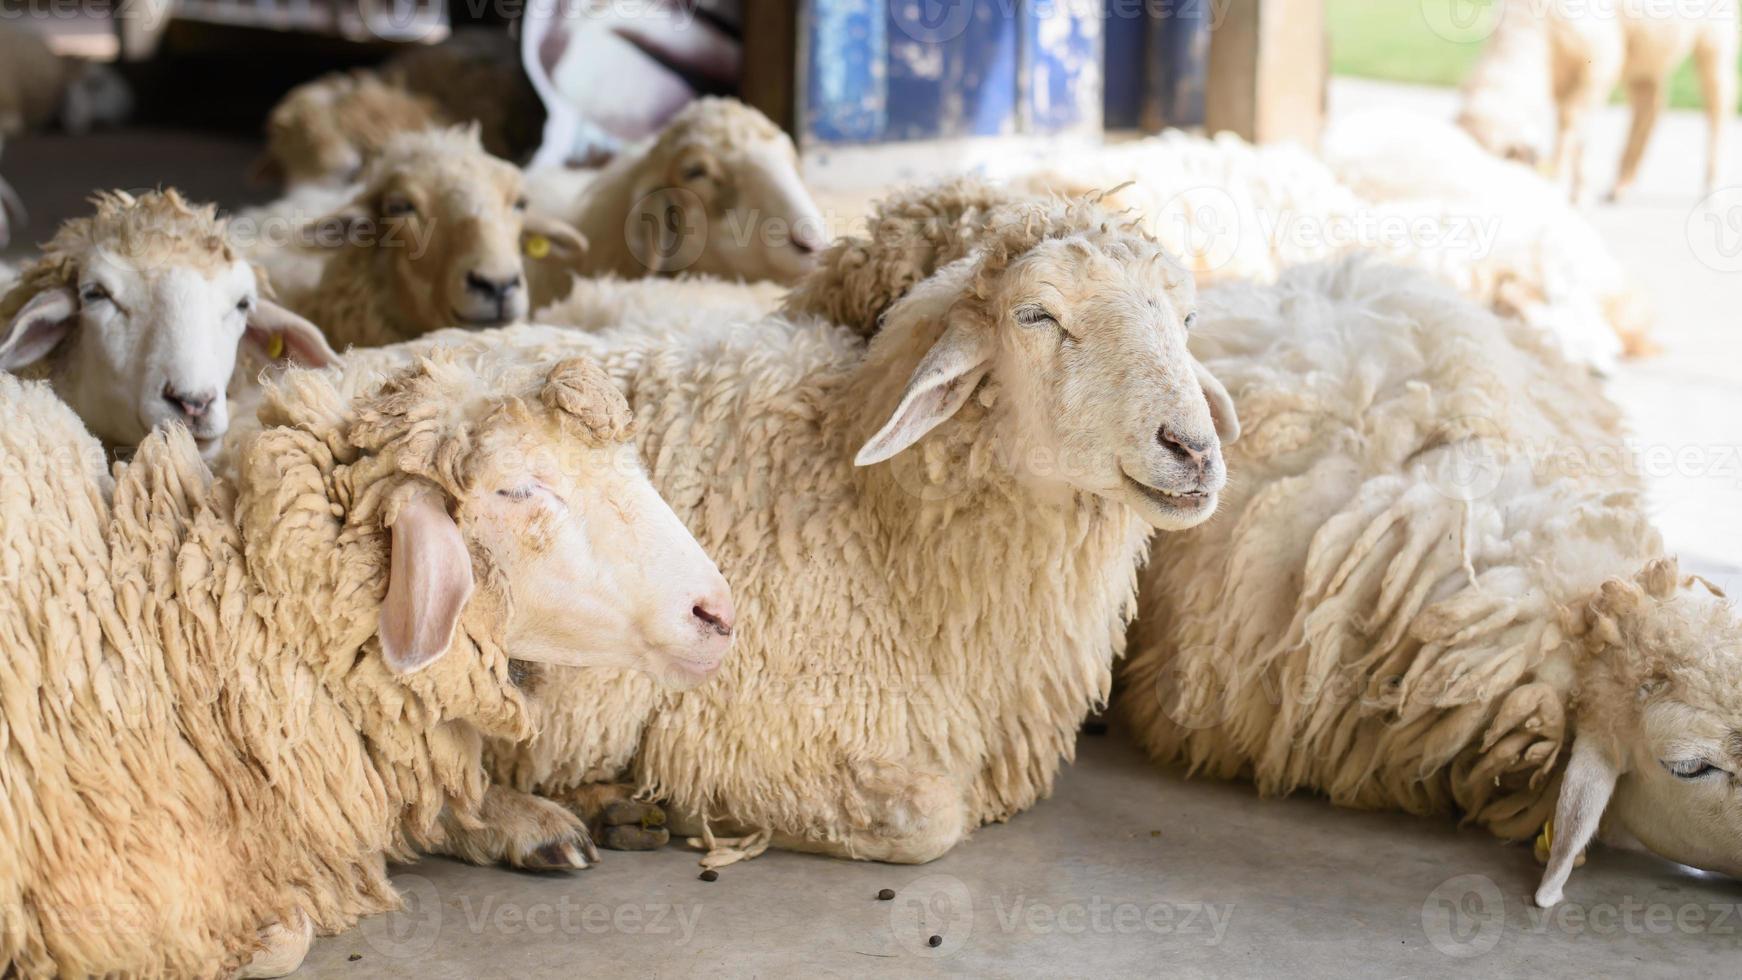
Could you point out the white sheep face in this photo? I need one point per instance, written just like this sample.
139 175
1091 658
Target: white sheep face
548 513
1659 746
601 572
136 345
1682 793
1095 391
758 219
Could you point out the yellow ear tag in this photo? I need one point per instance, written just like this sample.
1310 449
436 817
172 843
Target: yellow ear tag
275 346
537 246
1545 842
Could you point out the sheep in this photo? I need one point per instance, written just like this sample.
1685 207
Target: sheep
39 88
434 237
717 192
227 705
1007 442
325 131
1504 101
139 314
1577 54
1434 586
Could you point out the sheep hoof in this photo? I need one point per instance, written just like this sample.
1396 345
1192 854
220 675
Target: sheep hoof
634 838
625 813
561 856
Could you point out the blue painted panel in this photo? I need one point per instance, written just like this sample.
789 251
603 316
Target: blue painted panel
1062 69
952 68
1126 43
1179 62
845 71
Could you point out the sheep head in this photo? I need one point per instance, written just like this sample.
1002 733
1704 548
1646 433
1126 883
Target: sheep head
721 195
1659 722
137 313
516 491
443 228
1071 327
324 131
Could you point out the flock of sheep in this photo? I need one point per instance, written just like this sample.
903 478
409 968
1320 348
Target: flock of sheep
405 532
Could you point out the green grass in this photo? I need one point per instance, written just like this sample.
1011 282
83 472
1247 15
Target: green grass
1392 40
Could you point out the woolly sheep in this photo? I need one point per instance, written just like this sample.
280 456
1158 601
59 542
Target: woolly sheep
433 238
327 130
1577 53
1435 586
277 685
1234 211
39 88
1010 426
139 314
718 193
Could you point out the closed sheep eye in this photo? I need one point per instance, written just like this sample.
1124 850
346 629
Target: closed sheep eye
695 173
1690 768
398 207
1040 316
1191 319
516 493
93 295
520 205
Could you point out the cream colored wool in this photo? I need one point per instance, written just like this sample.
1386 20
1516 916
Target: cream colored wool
200 736
673 305
918 640
1421 584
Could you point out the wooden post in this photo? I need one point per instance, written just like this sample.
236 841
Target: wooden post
1268 68
770 77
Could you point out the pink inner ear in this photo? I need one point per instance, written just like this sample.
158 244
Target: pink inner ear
427 587
37 328
276 333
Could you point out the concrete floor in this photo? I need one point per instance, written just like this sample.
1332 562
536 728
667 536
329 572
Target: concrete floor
1128 869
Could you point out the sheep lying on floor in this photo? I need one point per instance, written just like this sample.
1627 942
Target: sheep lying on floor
1405 187
141 313
439 234
1008 441
226 706
718 193
1434 586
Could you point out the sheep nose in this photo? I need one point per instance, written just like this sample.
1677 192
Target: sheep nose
192 406
714 613
494 289
1193 451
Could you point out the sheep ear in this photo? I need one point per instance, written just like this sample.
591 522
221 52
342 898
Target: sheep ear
428 584
1221 405
1585 790
544 236
274 332
37 328
940 385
